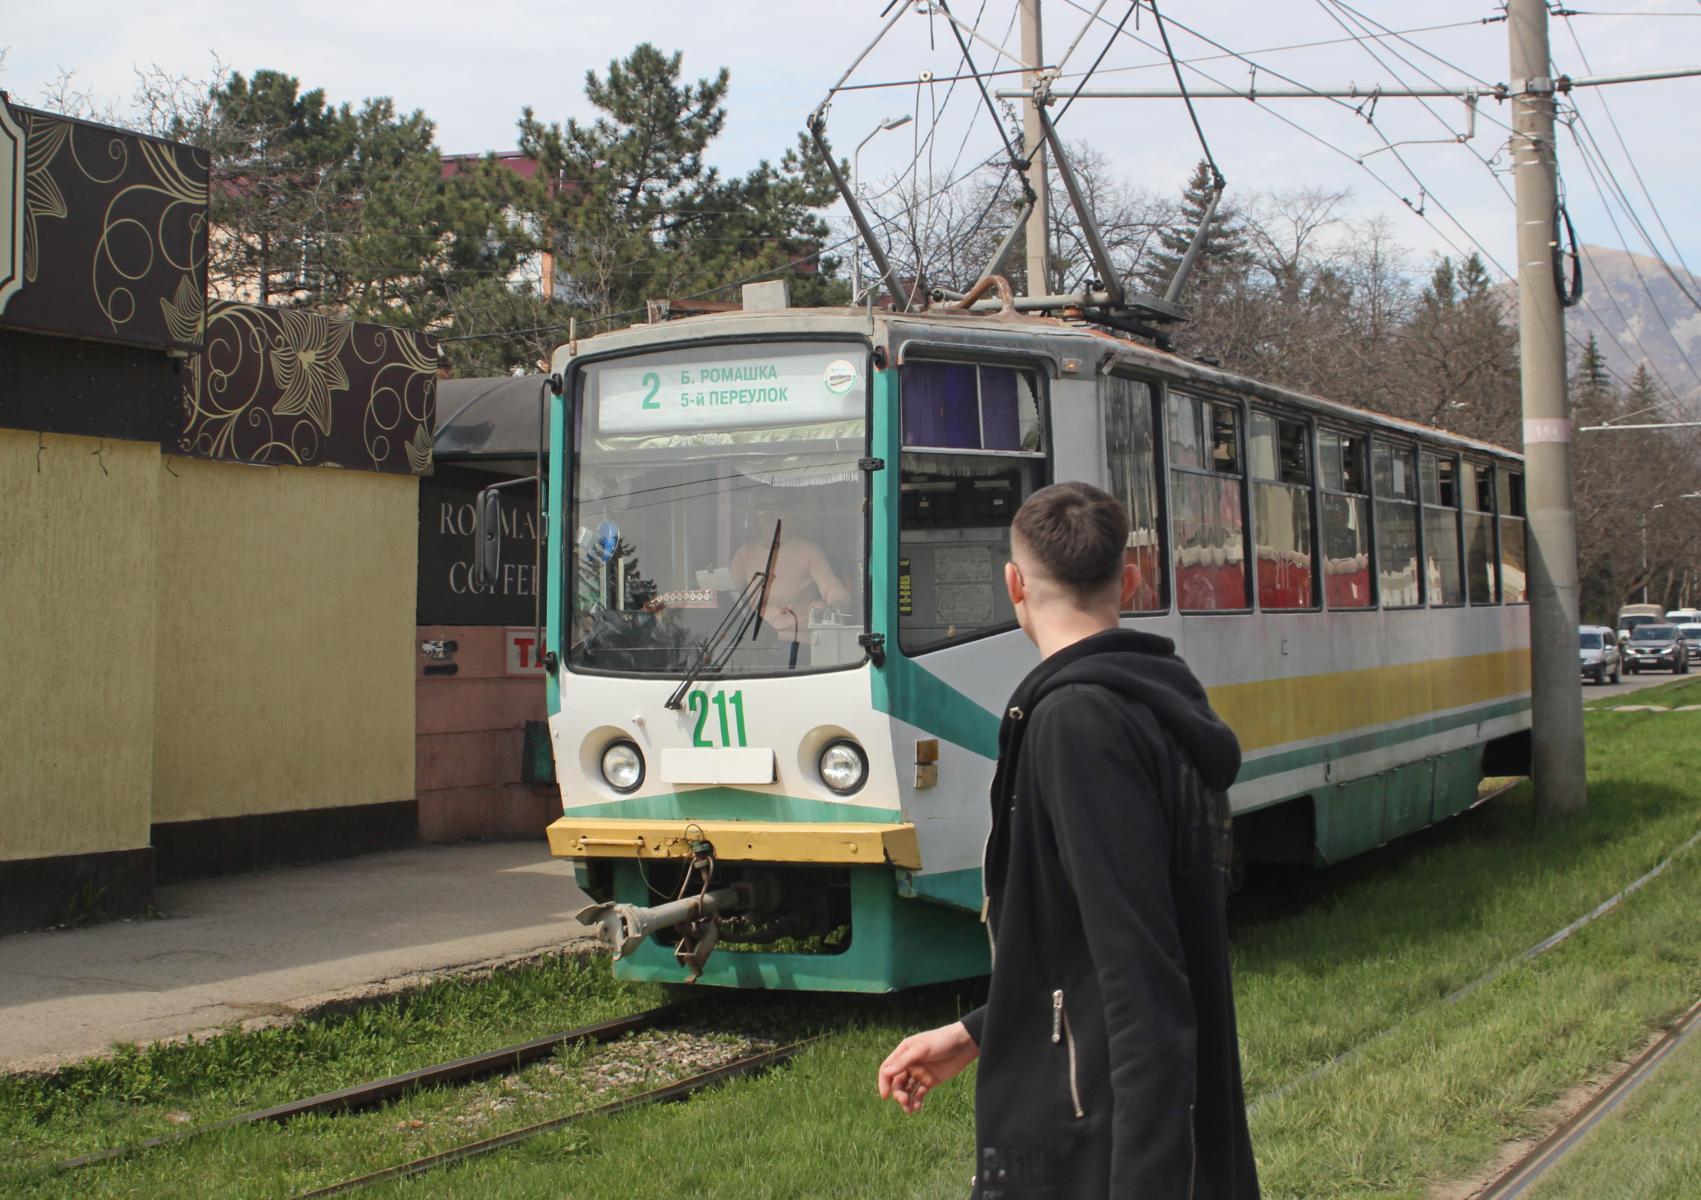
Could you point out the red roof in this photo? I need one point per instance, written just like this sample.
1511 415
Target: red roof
523 165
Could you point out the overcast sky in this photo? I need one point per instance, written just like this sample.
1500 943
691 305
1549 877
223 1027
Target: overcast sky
473 67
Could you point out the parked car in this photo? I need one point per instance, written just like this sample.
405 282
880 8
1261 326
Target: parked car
1691 631
1597 653
1657 648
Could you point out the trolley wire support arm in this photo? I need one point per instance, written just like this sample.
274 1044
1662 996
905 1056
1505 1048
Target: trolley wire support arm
995 267
1172 294
1108 280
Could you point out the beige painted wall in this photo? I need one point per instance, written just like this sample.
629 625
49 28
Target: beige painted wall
77 643
285 639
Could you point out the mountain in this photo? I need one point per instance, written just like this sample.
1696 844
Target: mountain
1638 314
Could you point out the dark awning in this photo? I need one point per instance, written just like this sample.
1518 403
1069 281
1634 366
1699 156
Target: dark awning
487 418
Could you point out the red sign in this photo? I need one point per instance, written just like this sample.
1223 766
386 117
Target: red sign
525 652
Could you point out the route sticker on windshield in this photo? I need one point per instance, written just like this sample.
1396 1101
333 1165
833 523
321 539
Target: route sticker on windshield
840 376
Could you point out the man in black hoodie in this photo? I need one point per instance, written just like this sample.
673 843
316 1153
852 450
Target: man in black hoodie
1108 1059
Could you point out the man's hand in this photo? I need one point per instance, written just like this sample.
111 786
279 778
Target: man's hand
923 1061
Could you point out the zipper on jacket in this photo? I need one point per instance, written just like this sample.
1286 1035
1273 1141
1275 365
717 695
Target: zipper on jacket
1060 1032
1193 1152
986 901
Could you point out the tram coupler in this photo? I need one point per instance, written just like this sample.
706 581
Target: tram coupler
622 928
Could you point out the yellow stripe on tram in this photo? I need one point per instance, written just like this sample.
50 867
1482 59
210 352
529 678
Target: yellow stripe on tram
1302 708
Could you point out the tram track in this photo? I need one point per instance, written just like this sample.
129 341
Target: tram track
753 1064
379 1091
755 1060
1517 1179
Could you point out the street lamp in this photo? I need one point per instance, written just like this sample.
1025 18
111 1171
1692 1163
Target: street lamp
1661 504
1645 552
856 190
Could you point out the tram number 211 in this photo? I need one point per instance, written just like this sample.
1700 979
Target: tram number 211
699 702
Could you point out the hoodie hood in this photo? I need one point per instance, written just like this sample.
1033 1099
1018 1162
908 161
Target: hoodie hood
1144 668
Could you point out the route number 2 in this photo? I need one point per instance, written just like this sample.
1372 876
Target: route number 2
699 702
653 382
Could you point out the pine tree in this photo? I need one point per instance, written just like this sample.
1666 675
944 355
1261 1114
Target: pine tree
635 214
1222 255
271 145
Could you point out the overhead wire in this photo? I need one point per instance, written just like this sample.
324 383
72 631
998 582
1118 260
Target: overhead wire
1460 139
1342 5
1606 204
1634 170
1287 48
1475 242
1322 141
1152 66
1395 35
1217 180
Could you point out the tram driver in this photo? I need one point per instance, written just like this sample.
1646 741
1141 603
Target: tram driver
804 583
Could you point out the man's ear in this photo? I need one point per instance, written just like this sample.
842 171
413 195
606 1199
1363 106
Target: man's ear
1130 585
1013 583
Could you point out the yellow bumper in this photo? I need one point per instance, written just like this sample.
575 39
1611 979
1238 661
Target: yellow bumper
842 843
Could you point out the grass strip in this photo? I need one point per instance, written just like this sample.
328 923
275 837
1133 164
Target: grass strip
159 1090
1495 972
1647 1149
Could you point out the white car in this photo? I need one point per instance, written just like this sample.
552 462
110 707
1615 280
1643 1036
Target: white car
1597 653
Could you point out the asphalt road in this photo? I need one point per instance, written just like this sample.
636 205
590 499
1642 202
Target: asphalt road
1630 683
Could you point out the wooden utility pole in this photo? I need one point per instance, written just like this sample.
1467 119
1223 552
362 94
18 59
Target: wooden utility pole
1033 145
1556 704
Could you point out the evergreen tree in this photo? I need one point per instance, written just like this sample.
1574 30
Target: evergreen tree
1222 255
634 213
344 210
1644 396
271 145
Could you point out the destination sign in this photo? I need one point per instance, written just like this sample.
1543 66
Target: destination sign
730 387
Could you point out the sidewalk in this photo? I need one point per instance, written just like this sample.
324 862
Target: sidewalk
265 947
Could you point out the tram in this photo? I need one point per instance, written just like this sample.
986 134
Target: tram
779 644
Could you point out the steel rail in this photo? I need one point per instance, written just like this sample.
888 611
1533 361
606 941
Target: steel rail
751 1065
367 1095
1528 1169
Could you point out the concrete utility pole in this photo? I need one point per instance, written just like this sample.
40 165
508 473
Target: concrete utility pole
1557 705
1033 145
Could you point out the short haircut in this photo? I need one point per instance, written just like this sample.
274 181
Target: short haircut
1077 532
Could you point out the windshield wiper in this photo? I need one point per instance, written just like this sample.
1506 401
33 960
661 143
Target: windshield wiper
744 618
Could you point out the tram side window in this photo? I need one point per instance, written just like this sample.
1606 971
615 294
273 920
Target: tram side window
1130 437
1346 520
1207 532
1278 453
1439 478
1481 563
1398 578
973 451
1514 565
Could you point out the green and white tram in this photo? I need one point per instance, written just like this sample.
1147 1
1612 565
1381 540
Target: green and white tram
779 641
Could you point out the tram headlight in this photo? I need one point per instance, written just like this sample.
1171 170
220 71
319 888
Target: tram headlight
623 766
844 767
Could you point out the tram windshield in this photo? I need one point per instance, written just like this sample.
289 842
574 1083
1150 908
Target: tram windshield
695 471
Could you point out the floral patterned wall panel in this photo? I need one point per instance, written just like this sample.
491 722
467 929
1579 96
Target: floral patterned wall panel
114 234
286 387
